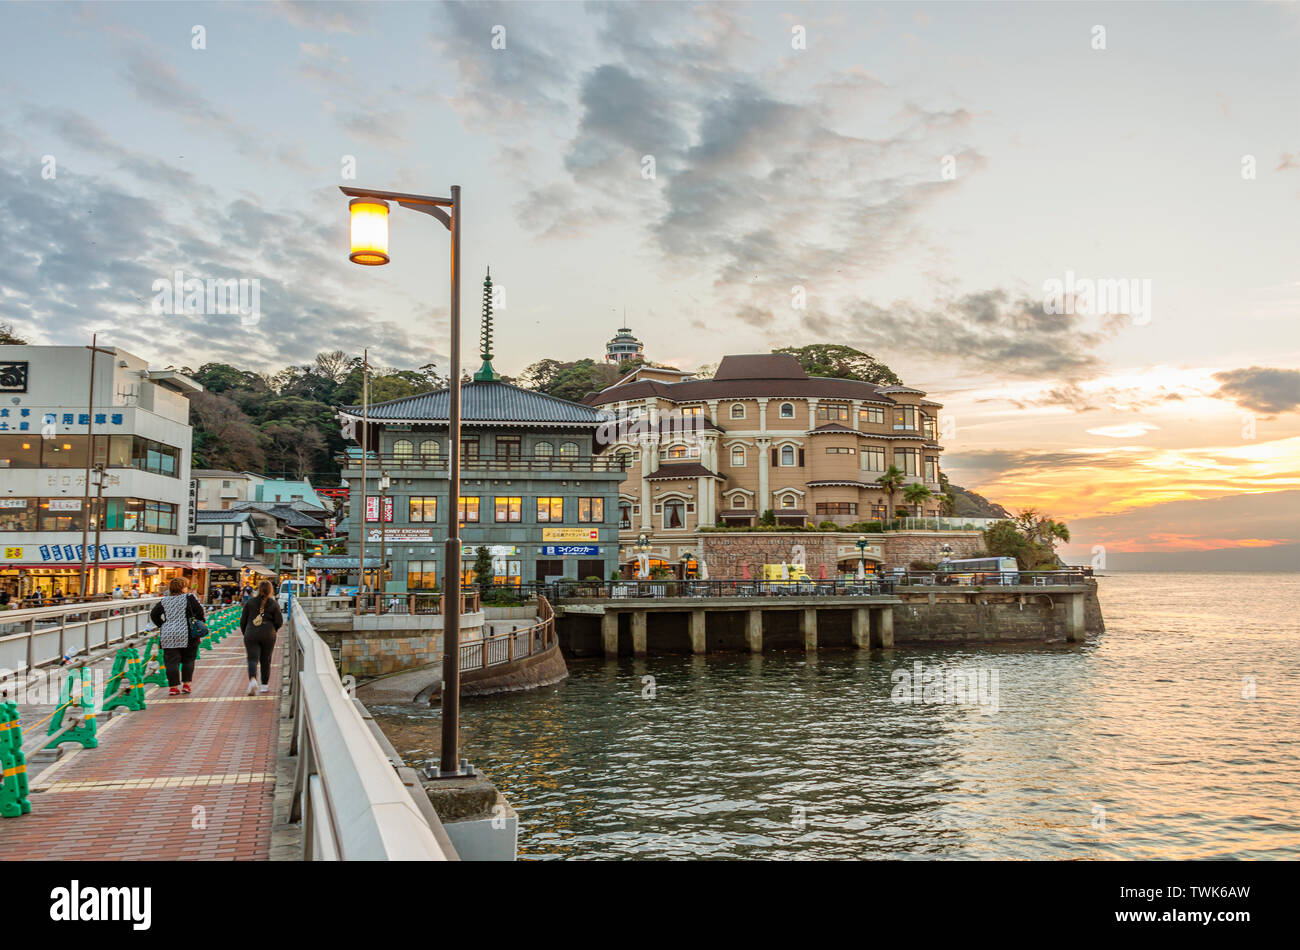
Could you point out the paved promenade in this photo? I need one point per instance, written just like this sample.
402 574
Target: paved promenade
190 777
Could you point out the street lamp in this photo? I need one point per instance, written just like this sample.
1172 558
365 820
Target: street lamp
946 550
862 557
369 234
642 550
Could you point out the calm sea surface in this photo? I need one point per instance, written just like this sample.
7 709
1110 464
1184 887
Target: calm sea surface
1144 743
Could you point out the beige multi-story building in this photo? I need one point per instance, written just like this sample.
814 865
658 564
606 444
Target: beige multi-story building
763 435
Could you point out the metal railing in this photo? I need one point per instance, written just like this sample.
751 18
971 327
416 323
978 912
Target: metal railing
346 793
45 636
375 602
491 463
513 645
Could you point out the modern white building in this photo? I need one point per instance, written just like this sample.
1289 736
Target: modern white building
221 490
137 523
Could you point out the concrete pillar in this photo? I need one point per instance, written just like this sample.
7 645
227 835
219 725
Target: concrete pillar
1075 631
886 617
808 622
861 627
754 630
764 500
638 632
609 633
698 644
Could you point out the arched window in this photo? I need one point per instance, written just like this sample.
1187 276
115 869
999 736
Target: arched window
787 501
737 410
677 452
430 450
543 450
624 457
787 455
737 501
738 456
787 410
403 450
569 450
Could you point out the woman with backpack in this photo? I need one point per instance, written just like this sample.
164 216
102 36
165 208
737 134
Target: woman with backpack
173 616
260 622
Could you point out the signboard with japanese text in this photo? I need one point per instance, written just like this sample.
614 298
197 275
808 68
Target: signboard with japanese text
569 550
399 534
571 534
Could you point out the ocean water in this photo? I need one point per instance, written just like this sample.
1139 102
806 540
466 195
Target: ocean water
1173 735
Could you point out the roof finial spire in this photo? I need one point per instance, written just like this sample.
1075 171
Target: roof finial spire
486 373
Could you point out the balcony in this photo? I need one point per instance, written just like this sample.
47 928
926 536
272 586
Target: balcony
436 466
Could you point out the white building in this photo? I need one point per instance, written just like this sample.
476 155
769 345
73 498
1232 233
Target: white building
142 440
221 490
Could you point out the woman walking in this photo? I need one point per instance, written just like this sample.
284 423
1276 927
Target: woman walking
260 622
172 616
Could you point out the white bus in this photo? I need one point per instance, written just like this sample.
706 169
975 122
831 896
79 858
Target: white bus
981 570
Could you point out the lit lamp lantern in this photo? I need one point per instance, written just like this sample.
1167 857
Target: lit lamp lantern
369 231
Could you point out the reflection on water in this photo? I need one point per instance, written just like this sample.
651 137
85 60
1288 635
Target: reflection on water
1138 744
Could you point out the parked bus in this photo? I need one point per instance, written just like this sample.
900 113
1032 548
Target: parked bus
981 570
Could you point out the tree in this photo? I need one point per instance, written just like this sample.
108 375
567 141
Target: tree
916 495
8 337
891 481
224 437
1028 537
292 448
484 573
841 362
332 365
569 381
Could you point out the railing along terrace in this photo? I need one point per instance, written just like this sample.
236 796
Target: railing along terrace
376 602
46 636
512 645
491 463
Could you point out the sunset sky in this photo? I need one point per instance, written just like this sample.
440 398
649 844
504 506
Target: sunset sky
921 170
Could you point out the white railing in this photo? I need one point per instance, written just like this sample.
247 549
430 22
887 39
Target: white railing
514 645
944 523
43 636
347 794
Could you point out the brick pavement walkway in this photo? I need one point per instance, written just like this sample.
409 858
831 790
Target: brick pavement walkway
190 777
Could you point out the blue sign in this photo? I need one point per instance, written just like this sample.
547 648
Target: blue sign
564 550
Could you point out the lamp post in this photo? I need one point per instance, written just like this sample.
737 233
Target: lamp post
862 557
99 477
369 229
642 549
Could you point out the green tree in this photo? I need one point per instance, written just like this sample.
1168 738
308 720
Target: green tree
8 337
891 481
224 436
841 362
1029 537
483 571
917 495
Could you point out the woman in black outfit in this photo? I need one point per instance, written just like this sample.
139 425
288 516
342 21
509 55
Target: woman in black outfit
172 616
260 622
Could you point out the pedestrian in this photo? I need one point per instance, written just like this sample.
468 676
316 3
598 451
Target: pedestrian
260 621
117 592
172 616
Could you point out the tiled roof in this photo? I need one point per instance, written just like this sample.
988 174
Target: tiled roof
217 516
822 387
681 470
823 482
339 561
483 402
832 428
760 366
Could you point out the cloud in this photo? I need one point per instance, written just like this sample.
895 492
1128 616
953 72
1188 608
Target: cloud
1129 431
160 85
333 17
1261 389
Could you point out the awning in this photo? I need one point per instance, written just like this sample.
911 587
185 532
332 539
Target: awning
189 565
69 565
259 569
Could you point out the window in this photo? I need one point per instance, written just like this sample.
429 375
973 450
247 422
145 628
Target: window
469 509
833 413
403 450
879 512
624 515
840 450
469 448
931 469
18 514
508 446
422 509
872 415
674 513
737 501
226 483
591 510
64 452
509 508
569 450
430 450
737 410
927 426
788 501
905 418
624 457
421 575
738 457
787 455
61 514
543 450
677 452
549 509
908 460
787 410
873 459
837 508
692 411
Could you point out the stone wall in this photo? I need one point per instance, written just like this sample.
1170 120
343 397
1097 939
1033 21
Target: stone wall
728 554
901 548
372 656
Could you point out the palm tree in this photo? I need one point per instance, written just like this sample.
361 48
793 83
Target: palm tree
891 482
916 495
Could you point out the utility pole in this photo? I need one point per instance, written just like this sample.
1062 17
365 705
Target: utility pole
383 536
365 501
90 453
100 477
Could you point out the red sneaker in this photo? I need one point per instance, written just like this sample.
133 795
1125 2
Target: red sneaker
173 691
185 687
